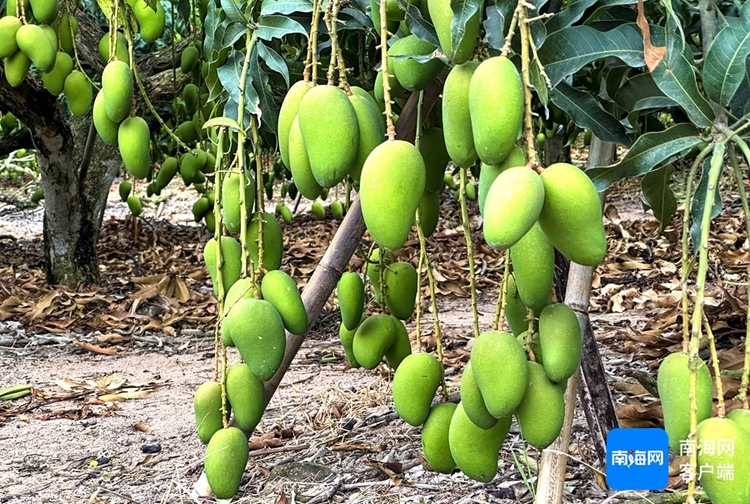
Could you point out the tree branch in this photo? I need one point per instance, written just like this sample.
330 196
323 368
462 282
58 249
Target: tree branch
19 140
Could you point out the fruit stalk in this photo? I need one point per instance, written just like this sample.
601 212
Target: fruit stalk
501 297
717 160
337 56
528 125
312 53
259 197
511 31
469 251
721 409
219 264
391 129
418 222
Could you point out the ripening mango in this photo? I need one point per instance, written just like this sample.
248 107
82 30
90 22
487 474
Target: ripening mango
401 346
150 21
226 458
673 383
400 287
533 260
246 395
410 73
121 48
720 488
496 108
35 44
513 204
287 114
541 412
475 450
281 291
133 137
561 341
442 16
230 199
16 68
231 259
257 331
414 385
499 366
117 84
397 90
435 444
391 186
457 122
572 214
54 80
299 163
68 25
330 130
244 288
371 128
45 11
488 173
207 409
374 336
373 269
273 241
350 292
471 398
9 26
436 158
80 95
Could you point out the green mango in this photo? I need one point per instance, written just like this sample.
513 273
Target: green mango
231 259
475 450
273 241
246 394
10 8
471 398
200 208
499 366
299 164
35 44
281 291
287 115
186 132
515 310
394 11
210 222
135 206
375 16
189 58
346 337
285 212
133 137
400 286
429 207
374 336
410 73
496 108
80 94
371 128
117 84
167 171
457 121
442 16
124 189
397 90
724 433
488 173
105 127
121 48
150 21
373 270
207 409
513 205
391 186
45 11
9 26
742 418
401 346
561 341
533 260
244 288
673 384
16 68
325 112
230 199
540 415
318 210
436 158
350 292
257 331
572 214
337 210
68 26
414 385
190 97
435 444
191 164
226 458
54 80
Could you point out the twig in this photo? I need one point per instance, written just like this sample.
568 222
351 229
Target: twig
278 449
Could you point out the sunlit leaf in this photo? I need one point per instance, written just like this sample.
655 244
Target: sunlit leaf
269 7
271 27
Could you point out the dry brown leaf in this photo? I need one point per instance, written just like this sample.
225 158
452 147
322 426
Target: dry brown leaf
140 426
95 348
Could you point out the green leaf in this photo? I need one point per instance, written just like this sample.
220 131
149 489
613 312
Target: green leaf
214 30
699 203
232 11
586 112
230 75
274 61
269 7
463 10
659 196
675 76
647 152
569 15
568 50
640 93
498 14
233 33
354 19
227 122
418 25
724 67
265 107
271 27
183 9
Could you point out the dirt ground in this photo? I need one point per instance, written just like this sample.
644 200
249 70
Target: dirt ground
330 433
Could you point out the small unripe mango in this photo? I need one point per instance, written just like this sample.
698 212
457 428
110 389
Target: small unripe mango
561 341
471 398
207 409
400 285
457 122
533 260
540 414
35 44
54 80
257 331
717 433
513 205
281 291
117 84
435 444
414 385
350 292
371 128
373 337
16 68
150 21
231 258
499 366
476 450
401 346
80 94
436 158
9 26
226 458
246 395
429 208
488 173
273 241
299 164
287 114
189 58
230 199
45 11
412 74
442 16
133 137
